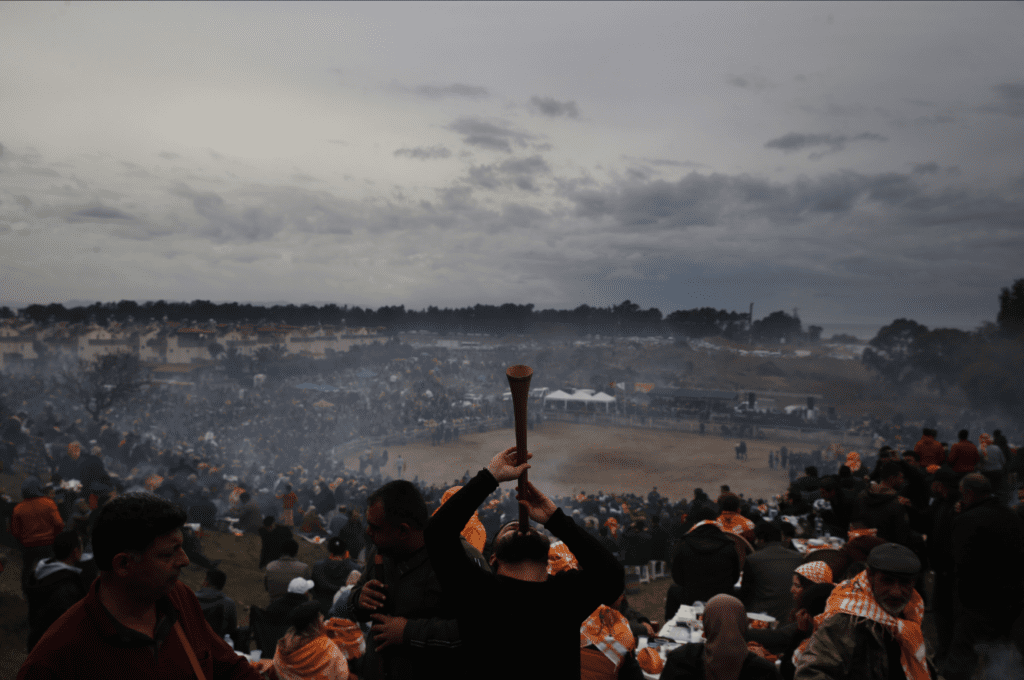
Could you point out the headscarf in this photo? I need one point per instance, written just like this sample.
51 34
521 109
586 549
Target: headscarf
733 522
855 597
613 526
474 531
725 622
299 658
857 533
347 635
819 572
560 558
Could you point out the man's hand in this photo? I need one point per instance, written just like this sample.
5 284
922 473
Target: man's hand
387 630
539 506
503 466
372 595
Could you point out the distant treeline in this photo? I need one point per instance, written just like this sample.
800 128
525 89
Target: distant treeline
622 319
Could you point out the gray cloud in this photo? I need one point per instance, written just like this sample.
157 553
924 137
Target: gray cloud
169 155
499 137
796 141
98 213
425 152
1009 99
554 108
520 173
929 168
453 90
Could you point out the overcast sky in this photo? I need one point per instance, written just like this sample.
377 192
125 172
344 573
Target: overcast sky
858 161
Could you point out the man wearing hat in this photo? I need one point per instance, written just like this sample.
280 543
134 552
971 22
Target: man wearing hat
871 627
988 545
298 593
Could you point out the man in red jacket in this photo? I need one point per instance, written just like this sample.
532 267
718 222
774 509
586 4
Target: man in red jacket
138 620
963 456
35 522
928 450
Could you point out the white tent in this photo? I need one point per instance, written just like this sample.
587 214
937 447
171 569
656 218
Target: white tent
557 395
606 399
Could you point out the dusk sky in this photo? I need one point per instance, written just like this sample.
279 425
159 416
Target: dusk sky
858 161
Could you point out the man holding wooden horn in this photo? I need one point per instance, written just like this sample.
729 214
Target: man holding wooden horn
520 602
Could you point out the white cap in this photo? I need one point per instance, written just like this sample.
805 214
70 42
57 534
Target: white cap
300 585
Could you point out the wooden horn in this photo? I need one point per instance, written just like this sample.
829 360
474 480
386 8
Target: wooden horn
519 384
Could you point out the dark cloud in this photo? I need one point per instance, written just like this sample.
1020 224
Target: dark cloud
520 173
796 141
1009 99
453 90
425 152
554 108
929 168
24 201
98 214
169 155
499 137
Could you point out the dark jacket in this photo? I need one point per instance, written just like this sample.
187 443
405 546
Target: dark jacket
220 611
86 643
767 578
51 591
330 576
687 663
988 546
879 507
705 564
432 636
661 541
272 543
493 609
635 548
850 647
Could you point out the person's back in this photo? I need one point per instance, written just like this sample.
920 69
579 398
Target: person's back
273 538
767 574
219 609
56 584
281 571
705 564
928 450
963 456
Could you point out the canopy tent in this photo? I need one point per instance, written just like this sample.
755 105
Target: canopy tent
605 399
582 396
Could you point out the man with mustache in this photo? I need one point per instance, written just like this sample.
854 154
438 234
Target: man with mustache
871 627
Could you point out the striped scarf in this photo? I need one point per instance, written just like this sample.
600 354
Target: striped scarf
854 597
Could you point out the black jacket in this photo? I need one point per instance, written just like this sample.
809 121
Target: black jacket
687 663
705 564
879 507
767 578
988 545
51 591
273 541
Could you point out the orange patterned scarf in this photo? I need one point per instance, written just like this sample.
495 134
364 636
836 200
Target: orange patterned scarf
854 597
316 659
474 531
733 522
857 533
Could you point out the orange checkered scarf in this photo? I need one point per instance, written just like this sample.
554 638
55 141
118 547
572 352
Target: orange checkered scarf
854 597
857 533
613 526
347 635
608 630
298 658
819 572
474 531
704 522
853 461
560 558
733 522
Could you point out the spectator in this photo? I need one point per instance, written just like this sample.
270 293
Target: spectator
281 571
414 625
963 456
835 519
661 540
871 623
35 523
521 595
812 602
988 545
941 515
273 538
767 574
607 541
338 522
636 545
57 583
306 652
928 450
312 524
730 521
705 563
219 609
296 594
288 500
725 654
807 575
124 624
860 541
250 517
879 506
993 466
329 575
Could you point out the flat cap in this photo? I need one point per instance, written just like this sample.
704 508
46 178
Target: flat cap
894 558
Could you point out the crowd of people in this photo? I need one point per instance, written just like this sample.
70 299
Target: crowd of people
400 591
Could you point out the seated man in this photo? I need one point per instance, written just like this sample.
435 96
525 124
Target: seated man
330 574
767 574
872 623
218 608
730 520
281 571
56 584
521 596
705 563
273 538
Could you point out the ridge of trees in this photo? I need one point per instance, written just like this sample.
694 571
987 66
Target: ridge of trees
626 318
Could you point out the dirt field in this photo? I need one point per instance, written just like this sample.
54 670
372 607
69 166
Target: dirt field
567 458
570 457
